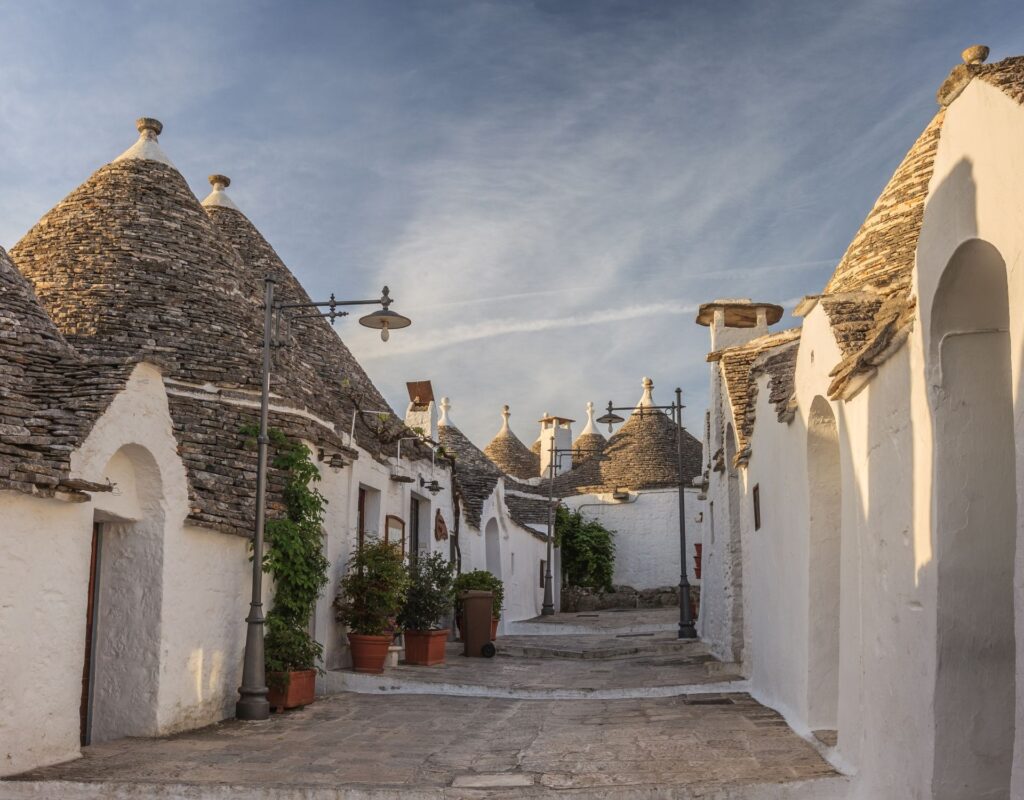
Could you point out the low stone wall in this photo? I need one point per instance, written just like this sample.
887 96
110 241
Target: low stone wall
575 599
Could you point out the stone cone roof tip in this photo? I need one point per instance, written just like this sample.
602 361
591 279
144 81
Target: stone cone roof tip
218 196
590 442
508 452
147 148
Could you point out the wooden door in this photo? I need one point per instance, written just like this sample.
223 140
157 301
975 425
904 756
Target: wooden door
85 709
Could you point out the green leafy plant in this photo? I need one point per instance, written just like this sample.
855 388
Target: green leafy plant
430 594
294 558
482 580
373 589
588 551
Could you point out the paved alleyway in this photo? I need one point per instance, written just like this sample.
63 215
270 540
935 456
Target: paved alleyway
696 743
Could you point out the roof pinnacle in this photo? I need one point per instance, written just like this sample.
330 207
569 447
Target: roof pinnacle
975 54
146 148
646 399
445 405
505 414
218 197
589 427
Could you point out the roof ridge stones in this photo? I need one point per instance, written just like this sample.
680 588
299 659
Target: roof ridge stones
49 396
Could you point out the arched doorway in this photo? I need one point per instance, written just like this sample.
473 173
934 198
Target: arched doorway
975 517
733 550
492 547
824 485
121 673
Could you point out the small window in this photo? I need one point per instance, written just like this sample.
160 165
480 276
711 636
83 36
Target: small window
543 570
757 506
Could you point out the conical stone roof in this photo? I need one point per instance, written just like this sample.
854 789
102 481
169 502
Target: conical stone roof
590 442
508 452
130 265
317 371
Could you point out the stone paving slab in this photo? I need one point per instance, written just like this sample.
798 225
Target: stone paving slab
725 746
598 645
642 674
641 620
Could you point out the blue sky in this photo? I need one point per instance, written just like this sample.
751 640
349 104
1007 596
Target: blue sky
549 188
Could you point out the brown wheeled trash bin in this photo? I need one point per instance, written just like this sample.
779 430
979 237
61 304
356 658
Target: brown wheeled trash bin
476 623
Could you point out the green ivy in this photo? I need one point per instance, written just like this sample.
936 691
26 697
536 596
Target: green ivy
587 549
294 558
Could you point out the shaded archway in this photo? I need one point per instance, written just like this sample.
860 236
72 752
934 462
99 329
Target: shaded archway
492 547
974 509
123 659
824 490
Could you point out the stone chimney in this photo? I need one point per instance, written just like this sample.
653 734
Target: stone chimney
559 431
421 414
737 321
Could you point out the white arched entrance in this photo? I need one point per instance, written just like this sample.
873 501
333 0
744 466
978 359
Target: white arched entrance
824 484
121 674
974 509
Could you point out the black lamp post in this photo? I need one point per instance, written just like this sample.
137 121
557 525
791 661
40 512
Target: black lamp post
557 453
252 702
687 630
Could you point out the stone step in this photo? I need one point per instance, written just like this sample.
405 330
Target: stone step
629 645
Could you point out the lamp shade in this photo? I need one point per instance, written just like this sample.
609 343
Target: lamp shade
385 320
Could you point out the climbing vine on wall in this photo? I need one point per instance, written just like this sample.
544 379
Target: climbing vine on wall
588 551
294 558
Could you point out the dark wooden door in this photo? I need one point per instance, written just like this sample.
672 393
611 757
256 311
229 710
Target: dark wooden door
361 517
90 630
414 527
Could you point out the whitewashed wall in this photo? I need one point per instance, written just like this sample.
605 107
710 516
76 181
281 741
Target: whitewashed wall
901 731
647 534
44 579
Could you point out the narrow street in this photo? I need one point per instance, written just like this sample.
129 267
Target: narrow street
623 710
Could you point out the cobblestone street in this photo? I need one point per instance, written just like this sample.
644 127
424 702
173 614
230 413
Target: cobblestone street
410 734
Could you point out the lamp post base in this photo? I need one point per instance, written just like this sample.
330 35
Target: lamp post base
687 631
253 707
547 611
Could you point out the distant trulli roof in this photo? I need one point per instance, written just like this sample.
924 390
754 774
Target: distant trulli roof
590 442
49 397
868 299
510 454
640 455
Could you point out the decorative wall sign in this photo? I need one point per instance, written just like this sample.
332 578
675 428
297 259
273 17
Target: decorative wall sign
440 527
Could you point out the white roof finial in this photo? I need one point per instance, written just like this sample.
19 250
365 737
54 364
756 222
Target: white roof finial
218 197
147 148
445 405
505 414
646 399
589 428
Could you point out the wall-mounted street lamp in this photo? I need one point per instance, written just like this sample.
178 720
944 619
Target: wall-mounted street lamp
687 630
252 703
431 486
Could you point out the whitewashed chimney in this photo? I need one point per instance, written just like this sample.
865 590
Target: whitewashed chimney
559 431
737 321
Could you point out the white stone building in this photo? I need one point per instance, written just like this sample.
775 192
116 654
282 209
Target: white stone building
864 554
130 334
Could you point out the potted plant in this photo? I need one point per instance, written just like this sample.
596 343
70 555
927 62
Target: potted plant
372 594
295 559
483 580
429 598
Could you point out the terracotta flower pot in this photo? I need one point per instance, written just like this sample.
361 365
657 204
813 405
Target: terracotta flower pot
494 628
369 652
425 648
291 689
